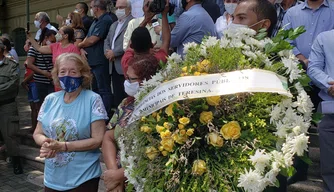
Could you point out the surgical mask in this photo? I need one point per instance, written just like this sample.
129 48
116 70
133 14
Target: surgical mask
77 11
120 13
236 26
131 88
37 24
59 37
70 84
230 7
48 42
68 22
92 12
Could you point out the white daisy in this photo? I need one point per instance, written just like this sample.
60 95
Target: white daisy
251 181
187 46
260 160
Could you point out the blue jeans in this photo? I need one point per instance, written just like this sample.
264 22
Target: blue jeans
101 84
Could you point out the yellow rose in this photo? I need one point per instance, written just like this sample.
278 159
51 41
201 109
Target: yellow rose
164 153
168 125
169 109
159 128
183 132
151 152
143 119
180 139
197 73
199 167
180 126
206 117
168 144
204 66
165 134
190 132
158 117
184 69
145 129
184 120
213 101
231 130
154 114
161 148
215 140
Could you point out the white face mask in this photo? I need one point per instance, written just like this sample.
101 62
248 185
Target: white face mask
68 22
48 42
37 24
230 7
120 13
236 26
58 37
92 12
77 11
131 88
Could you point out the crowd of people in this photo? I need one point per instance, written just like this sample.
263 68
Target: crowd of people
81 78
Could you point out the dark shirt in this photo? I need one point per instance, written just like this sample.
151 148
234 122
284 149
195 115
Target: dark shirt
87 22
100 28
9 79
113 17
212 8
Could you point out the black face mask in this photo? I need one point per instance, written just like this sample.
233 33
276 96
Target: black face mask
184 4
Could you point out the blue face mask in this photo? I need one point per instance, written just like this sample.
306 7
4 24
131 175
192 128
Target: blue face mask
70 84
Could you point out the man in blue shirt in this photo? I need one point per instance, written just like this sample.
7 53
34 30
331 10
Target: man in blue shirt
321 71
93 50
192 25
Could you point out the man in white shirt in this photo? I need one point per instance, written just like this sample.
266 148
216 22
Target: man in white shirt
42 20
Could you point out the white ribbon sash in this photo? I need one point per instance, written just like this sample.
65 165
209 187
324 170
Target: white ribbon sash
189 87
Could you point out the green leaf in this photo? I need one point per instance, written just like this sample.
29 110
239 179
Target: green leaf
296 32
306 159
316 117
262 33
304 80
288 172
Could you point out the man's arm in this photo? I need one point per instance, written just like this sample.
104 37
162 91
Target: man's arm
180 30
166 36
89 41
317 64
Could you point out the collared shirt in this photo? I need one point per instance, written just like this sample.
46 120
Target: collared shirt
99 28
87 22
222 24
118 28
192 26
133 24
9 79
321 66
315 22
280 15
39 32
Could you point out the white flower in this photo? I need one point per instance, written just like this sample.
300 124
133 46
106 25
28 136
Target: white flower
281 130
210 41
296 145
276 113
236 43
260 160
286 54
175 57
250 54
224 42
303 103
187 46
251 181
203 51
253 42
270 177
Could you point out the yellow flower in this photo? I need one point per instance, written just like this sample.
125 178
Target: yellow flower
151 152
204 66
143 119
190 132
199 167
161 148
213 101
165 134
184 120
206 117
168 125
159 128
158 117
197 73
164 153
154 114
184 69
180 139
168 144
184 74
169 109
180 126
204 73
231 130
183 132
215 140
145 129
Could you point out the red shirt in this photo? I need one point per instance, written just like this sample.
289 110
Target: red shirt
161 55
28 72
57 50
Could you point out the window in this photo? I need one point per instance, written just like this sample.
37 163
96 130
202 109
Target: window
19 39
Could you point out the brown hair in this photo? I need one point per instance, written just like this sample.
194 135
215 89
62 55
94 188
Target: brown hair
70 32
76 21
144 65
81 63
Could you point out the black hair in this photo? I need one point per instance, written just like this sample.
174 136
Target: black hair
70 32
48 33
264 10
6 43
102 4
84 6
141 41
42 36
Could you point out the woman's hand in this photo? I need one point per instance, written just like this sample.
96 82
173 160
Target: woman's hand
54 145
113 178
46 152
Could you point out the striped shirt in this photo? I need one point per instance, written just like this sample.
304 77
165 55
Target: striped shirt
43 62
